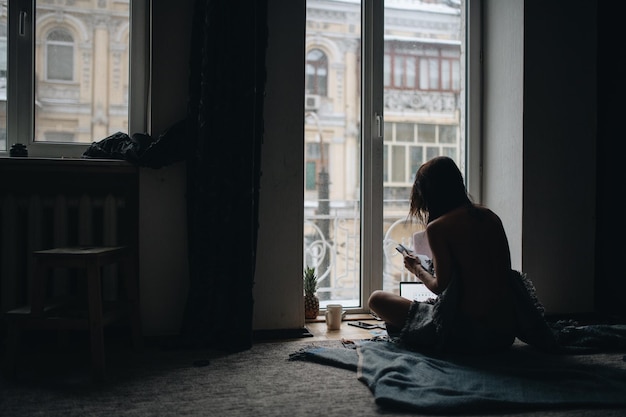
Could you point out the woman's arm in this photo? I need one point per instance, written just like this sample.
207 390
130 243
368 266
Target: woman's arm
442 261
414 265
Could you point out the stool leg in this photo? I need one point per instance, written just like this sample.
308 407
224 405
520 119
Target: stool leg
13 342
131 287
95 321
38 290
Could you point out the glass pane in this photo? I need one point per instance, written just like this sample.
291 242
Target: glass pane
3 75
432 151
398 163
451 152
447 134
398 69
434 74
428 33
416 158
426 133
445 75
332 218
404 132
387 65
388 131
309 175
82 70
410 73
60 62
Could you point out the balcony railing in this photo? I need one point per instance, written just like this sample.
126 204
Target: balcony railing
332 245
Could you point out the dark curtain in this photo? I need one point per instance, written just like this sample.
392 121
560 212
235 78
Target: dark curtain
225 128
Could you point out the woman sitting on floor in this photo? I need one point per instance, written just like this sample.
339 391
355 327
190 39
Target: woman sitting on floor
472 265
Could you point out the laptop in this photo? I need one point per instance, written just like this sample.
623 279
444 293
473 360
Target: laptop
415 291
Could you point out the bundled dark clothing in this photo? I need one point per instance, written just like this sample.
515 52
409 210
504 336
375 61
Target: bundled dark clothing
141 149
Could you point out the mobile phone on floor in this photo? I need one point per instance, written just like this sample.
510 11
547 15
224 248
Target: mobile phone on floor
362 324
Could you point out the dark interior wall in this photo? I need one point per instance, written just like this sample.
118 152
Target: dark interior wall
611 175
163 265
559 138
171 36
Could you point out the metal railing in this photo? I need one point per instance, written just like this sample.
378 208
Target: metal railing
332 247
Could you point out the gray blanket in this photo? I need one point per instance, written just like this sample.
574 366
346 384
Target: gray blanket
543 369
520 378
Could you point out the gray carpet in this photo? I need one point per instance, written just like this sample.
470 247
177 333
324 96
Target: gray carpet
177 382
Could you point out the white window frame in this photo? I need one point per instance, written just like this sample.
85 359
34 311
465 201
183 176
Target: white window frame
373 121
20 81
473 99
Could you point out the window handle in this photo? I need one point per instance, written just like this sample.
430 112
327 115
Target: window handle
22 23
379 125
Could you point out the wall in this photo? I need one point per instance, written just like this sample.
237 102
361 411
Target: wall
560 127
539 129
278 292
163 251
503 66
611 148
538 135
162 220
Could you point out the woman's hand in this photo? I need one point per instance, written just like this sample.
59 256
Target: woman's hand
412 263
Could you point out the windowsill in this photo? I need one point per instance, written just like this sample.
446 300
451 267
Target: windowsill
48 175
41 163
349 317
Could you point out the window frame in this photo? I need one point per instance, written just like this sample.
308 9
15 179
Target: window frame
372 117
21 77
371 73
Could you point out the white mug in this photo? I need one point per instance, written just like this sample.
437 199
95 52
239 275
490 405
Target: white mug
334 315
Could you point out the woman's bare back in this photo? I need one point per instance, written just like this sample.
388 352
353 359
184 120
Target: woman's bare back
470 243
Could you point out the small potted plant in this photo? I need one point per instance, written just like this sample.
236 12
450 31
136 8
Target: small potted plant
311 301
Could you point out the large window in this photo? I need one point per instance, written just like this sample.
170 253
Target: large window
67 71
394 98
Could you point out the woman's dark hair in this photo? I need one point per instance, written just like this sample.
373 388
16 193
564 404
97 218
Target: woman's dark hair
438 188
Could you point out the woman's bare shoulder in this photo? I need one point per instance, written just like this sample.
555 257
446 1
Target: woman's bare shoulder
459 214
463 217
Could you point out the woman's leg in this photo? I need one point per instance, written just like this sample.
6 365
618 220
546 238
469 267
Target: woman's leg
391 308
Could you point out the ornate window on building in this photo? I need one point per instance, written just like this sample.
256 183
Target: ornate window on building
316 73
60 55
410 66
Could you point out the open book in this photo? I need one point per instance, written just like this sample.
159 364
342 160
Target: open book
426 262
416 290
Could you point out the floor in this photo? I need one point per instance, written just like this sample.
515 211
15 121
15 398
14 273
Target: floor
347 331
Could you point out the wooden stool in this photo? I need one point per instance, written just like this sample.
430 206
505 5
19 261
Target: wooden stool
42 314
